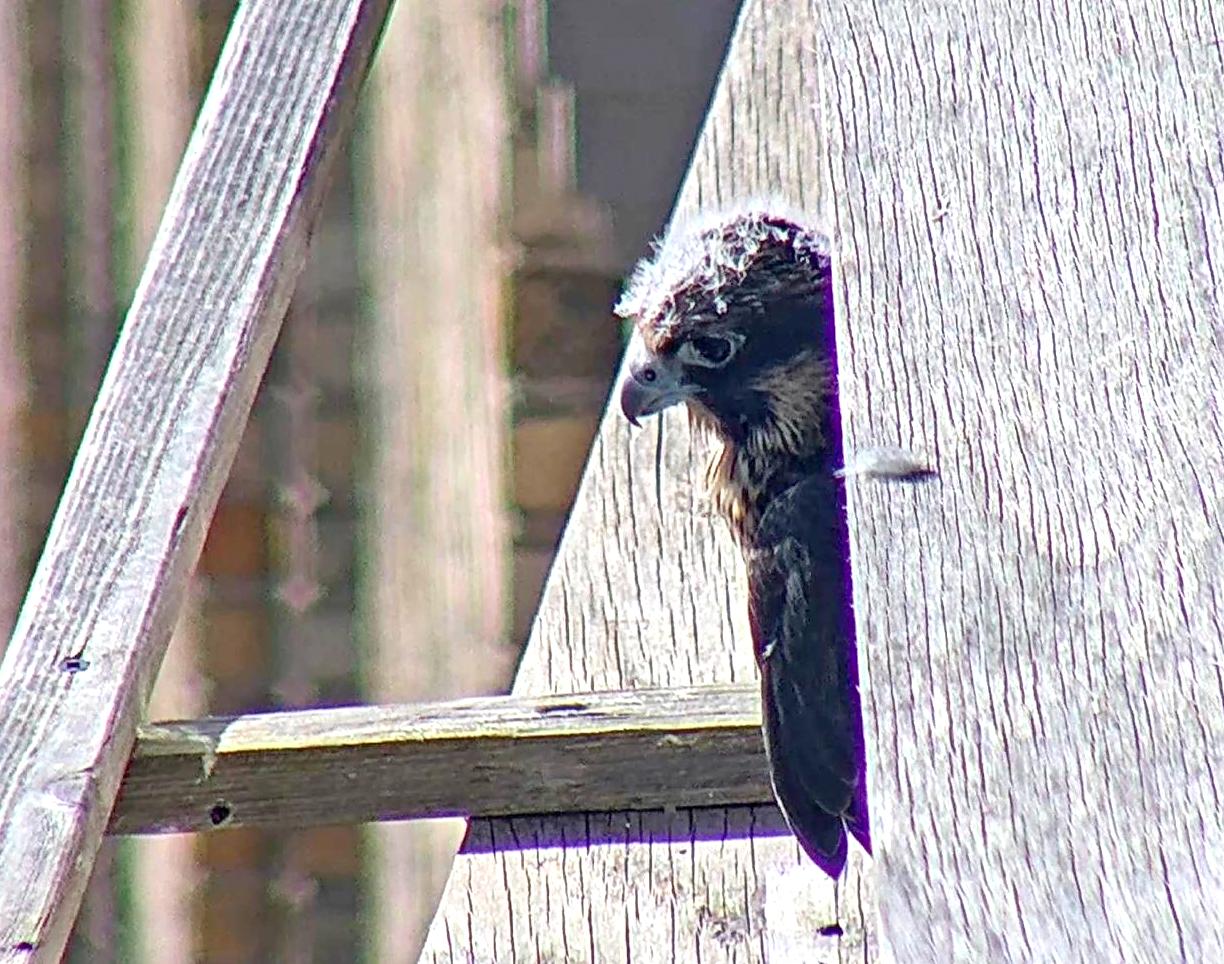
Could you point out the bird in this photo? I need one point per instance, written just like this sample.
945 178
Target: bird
732 316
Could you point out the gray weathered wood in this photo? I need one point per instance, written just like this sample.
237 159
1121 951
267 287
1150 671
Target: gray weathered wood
159 443
646 749
648 591
1029 220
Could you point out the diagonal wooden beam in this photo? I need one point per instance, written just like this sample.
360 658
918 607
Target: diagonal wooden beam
159 444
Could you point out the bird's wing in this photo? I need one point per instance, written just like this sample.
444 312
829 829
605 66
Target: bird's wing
799 610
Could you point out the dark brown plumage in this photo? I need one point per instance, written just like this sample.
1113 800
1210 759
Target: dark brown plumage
734 317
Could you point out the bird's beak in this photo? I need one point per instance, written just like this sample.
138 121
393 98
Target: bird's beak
635 399
643 394
651 383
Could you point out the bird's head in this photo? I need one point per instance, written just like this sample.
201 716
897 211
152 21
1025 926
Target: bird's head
733 316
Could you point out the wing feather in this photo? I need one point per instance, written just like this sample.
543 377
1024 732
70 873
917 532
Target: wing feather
798 607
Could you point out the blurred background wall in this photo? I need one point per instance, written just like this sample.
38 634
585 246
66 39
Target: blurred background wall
412 456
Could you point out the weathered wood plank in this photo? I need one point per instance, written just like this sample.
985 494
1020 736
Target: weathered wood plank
648 591
1028 212
642 749
159 443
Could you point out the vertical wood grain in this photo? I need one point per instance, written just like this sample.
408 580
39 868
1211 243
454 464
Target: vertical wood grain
1028 217
647 590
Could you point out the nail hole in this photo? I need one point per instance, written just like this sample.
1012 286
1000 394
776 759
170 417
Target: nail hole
74 664
219 813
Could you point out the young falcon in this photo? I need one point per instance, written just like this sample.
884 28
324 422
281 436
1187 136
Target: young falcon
734 318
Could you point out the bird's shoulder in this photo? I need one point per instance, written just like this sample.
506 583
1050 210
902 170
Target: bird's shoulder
795 562
807 513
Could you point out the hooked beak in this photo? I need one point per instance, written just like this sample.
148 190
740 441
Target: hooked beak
650 385
637 400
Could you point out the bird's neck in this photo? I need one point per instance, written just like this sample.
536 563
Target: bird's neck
743 481
787 430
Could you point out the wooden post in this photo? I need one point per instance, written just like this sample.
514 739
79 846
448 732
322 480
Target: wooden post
1027 205
436 536
159 443
647 590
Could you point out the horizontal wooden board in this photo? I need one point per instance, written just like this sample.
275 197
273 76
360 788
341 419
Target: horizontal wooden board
640 750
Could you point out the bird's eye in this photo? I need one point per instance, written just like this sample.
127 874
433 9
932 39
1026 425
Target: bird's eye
715 350
708 351
648 375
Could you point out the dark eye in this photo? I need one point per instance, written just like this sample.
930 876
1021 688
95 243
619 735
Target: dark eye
648 375
714 350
